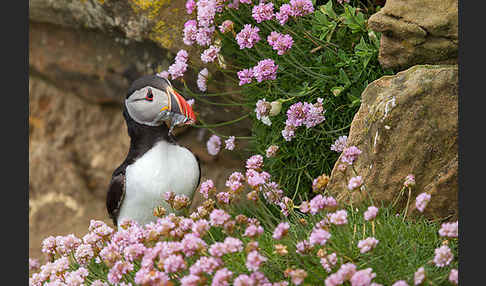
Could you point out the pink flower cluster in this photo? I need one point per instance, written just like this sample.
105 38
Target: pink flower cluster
367 244
214 144
262 12
421 201
264 70
449 229
280 42
248 36
340 144
300 114
179 67
295 8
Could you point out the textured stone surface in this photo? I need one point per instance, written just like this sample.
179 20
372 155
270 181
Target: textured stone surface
407 124
417 32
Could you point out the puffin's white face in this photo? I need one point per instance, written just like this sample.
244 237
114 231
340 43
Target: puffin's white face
149 106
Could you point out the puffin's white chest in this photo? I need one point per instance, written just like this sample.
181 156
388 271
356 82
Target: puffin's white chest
165 167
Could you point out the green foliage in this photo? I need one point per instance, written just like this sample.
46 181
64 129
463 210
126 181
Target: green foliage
334 57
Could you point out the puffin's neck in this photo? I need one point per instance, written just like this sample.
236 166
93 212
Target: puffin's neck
143 137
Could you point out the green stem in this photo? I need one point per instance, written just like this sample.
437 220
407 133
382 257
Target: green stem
222 123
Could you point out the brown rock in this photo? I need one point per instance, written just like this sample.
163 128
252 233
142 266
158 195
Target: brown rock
407 124
417 32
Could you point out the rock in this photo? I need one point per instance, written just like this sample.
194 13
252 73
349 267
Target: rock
417 32
160 21
407 124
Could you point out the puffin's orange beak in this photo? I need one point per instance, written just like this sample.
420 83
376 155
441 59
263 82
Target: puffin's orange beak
180 105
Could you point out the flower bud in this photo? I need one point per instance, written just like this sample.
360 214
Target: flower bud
276 107
337 90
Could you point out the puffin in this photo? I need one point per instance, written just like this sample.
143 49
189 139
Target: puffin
155 163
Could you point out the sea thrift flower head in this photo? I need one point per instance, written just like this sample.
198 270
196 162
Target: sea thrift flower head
273 37
200 227
248 36
283 14
254 260
134 251
49 245
204 35
163 74
262 12
409 181
362 277
223 197
210 54
151 277
281 249
34 264
226 26
190 32
84 253
339 217
234 181
301 7
233 244
205 264
340 144
177 69
283 44
190 280
302 247
319 236
297 276
350 154
207 188
118 270
181 201
202 79
271 151
230 143
443 256
355 182
370 213
245 76
400 283
174 263
367 244
419 276
253 230
190 5
243 280
206 10
255 179
262 108
346 271
255 162
449 229
221 277
218 217
288 133
454 276
181 56
214 145
422 201
265 70
76 278
281 230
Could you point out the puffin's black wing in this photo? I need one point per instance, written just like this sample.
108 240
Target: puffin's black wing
115 196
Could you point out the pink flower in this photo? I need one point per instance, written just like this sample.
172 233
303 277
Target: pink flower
303 247
234 181
181 56
340 144
281 230
205 264
223 197
190 31
190 280
371 213
206 188
210 54
339 217
422 201
243 280
262 12
214 145
230 143
204 35
265 70
253 260
33 264
206 10
163 74
118 270
301 7
367 244
174 263
134 251
233 244
83 254
190 5
443 256
297 276
449 229
256 179
319 236
283 14
355 182
245 76
191 244
419 276
200 227
280 43
400 283
202 79
346 271
218 217
76 278
350 154
248 36
362 277
177 69
454 276
409 181
254 162
271 151
253 230
221 277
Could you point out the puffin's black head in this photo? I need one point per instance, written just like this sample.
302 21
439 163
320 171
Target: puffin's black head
151 101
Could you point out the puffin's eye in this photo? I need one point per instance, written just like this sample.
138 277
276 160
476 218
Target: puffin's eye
149 96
